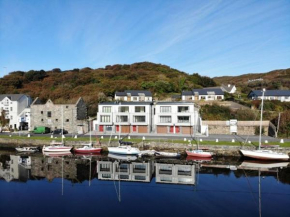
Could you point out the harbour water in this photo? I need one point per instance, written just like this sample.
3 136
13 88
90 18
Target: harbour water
37 185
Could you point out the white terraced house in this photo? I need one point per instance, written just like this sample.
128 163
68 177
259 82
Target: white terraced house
14 105
281 95
124 117
205 94
134 96
176 118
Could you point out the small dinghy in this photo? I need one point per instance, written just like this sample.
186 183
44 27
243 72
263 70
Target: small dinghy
166 154
27 149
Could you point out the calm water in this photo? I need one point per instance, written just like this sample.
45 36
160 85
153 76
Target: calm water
34 185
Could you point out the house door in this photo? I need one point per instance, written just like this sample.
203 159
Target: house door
134 128
117 128
177 129
171 129
101 128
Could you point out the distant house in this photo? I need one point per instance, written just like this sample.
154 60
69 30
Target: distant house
281 95
203 94
73 116
14 105
134 96
229 88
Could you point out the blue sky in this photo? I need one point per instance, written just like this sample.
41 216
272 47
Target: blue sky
213 38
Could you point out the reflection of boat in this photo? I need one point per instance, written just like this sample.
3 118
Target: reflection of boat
126 150
264 154
123 157
198 159
27 149
57 154
166 154
89 154
55 146
262 164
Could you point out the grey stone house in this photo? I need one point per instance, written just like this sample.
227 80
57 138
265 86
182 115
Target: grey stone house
50 115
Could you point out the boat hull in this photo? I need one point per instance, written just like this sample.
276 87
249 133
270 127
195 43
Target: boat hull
167 154
26 149
87 150
264 155
124 150
199 153
56 149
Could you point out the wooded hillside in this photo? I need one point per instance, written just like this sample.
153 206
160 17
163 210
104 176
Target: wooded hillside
94 85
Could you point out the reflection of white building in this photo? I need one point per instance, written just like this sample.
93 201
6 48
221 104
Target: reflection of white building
129 171
13 105
17 168
175 173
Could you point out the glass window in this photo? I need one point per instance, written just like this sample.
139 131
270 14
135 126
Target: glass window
106 176
11 108
106 109
141 178
183 109
121 118
164 109
67 120
183 119
165 179
139 119
49 114
165 119
105 118
124 109
139 108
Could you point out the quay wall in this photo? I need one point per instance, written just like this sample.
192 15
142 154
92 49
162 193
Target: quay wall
219 150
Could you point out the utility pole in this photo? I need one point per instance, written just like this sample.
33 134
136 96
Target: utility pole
278 124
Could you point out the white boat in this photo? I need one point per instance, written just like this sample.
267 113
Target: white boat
199 153
126 150
57 146
27 149
166 154
147 153
264 154
123 157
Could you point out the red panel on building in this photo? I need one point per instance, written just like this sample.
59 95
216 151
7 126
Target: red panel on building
117 128
101 128
134 128
177 129
171 129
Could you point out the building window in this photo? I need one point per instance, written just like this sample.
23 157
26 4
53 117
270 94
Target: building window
11 117
67 120
121 118
141 178
106 109
124 109
140 109
165 109
49 114
183 109
135 98
105 118
66 106
106 176
41 120
11 109
183 119
165 119
41 112
56 120
139 119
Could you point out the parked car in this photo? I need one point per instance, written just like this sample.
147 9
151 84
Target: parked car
41 130
59 131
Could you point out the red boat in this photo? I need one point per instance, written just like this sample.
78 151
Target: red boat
192 158
87 150
199 153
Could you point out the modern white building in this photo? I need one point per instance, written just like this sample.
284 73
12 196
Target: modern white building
124 117
134 96
281 95
14 105
176 118
205 94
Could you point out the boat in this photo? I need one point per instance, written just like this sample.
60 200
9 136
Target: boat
57 146
88 148
264 154
57 154
166 154
251 164
125 150
123 157
199 153
147 153
27 149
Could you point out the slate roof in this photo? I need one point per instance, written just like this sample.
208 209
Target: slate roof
204 91
271 92
12 97
134 93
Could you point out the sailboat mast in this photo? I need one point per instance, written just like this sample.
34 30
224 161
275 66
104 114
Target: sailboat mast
62 124
262 104
260 202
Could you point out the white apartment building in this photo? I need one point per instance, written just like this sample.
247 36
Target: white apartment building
205 94
13 105
134 96
124 117
176 118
